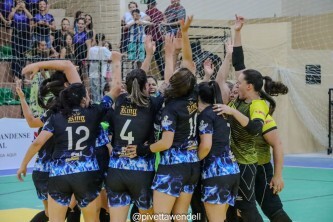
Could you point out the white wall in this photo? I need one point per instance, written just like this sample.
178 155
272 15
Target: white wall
226 9
306 7
220 9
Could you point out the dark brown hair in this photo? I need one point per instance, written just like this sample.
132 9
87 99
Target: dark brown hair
181 84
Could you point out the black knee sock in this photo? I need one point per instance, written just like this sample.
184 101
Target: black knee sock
280 216
104 216
40 217
73 215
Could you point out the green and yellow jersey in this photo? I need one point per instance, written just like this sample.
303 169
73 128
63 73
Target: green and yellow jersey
262 147
242 142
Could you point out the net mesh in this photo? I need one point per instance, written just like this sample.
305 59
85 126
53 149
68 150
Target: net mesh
291 41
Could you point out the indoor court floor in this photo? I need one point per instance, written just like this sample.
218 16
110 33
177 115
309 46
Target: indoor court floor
307 197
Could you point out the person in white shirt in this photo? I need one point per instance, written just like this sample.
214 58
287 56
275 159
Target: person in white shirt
98 57
128 18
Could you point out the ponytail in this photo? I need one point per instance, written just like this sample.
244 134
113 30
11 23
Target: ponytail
137 96
51 87
210 92
274 88
71 97
267 97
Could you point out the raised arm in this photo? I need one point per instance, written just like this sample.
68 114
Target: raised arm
150 48
26 11
116 79
32 121
60 65
273 139
238 55
187 50
169 57
223 73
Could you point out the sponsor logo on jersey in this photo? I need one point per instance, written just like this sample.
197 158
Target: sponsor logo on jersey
260 112
77 118
192 107
165 122
128 111
203 126
268 121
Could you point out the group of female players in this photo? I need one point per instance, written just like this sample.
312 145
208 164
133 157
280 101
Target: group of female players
200 140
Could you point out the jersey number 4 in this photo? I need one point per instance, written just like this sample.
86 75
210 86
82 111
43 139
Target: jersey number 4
78 131
129 137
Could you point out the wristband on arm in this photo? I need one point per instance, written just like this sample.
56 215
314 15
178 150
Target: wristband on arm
238 58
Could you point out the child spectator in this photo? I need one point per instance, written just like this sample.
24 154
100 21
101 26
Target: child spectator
137 35
78 15
67 51
60 34
128 18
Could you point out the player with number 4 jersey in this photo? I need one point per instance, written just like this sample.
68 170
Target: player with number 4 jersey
129 179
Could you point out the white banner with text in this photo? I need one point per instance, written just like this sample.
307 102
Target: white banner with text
15 139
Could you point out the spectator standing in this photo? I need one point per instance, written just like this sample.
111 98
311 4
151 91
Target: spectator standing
78 15
67 51
82 44
98 67
20 18
33 6
136 51
173 14
90 28
60 35
157 18
43 23
128 18
6 7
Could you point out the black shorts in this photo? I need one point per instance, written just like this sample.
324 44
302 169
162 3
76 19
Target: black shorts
221 189
127 186
177 178
41 180
85 186
103 158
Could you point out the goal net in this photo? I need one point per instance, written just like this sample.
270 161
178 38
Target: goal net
291 41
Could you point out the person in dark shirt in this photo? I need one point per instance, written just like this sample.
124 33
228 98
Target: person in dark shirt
174 13
82 44
33 6
219 169
74 168
53 85
20 19
43 23
6 7
132 122
179 169
154 30
60 35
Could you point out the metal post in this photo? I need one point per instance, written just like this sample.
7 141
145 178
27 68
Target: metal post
330 116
